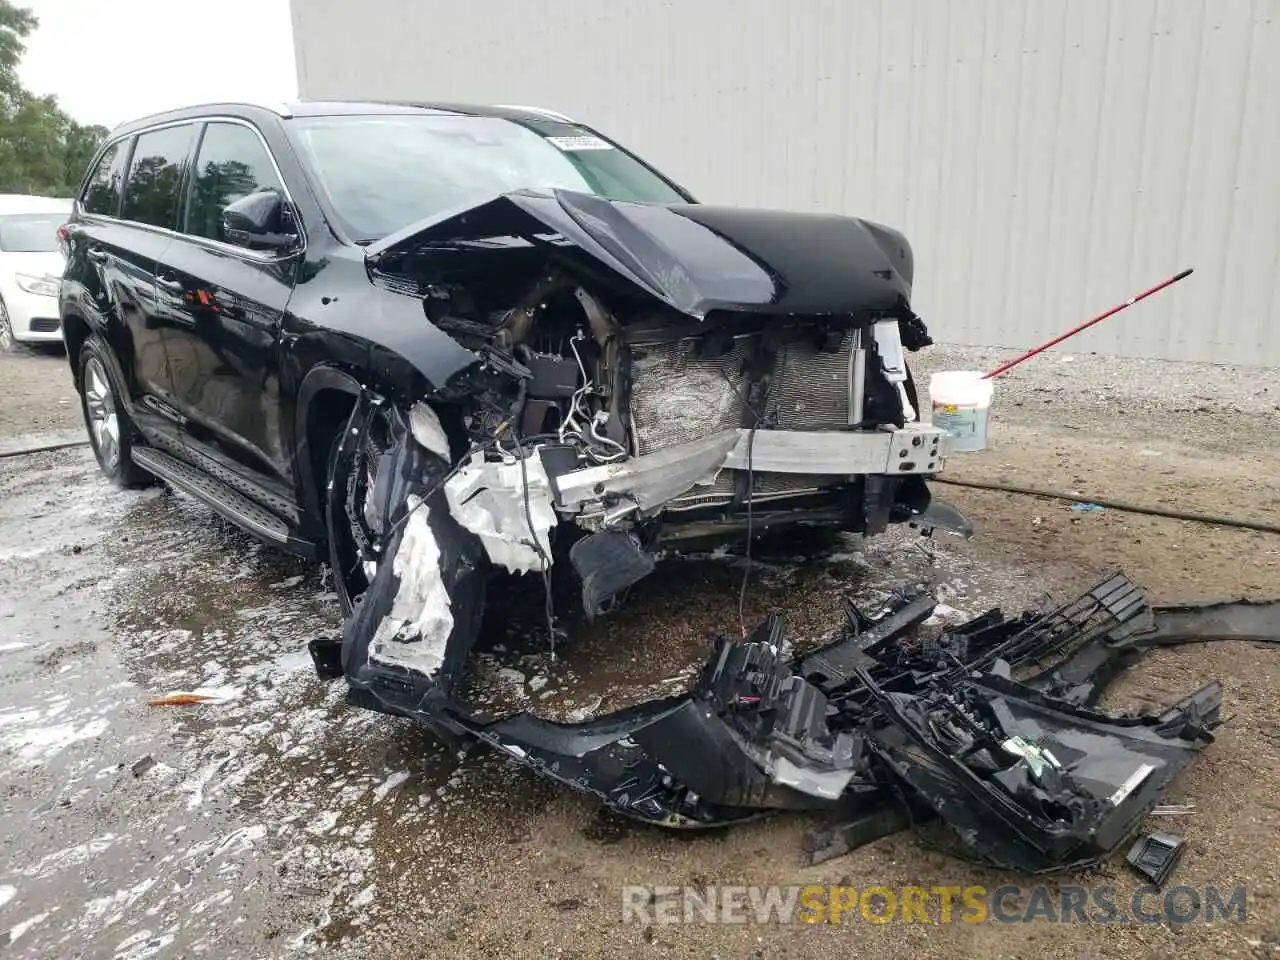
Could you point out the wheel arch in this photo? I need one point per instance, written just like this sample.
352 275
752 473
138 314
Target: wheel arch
75 331
326 398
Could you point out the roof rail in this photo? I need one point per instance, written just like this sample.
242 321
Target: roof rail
543 111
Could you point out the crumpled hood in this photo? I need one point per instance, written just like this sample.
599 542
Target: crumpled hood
697 258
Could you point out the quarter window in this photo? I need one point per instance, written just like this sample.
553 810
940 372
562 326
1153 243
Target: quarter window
155 176
102 192
232 164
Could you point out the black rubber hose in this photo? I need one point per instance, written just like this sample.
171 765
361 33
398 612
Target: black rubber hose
1115 505
26 451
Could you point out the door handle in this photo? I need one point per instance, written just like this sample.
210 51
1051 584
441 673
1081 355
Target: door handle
97 255
169 285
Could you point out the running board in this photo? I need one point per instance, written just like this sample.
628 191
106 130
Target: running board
227 502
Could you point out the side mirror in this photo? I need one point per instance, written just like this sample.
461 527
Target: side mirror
259 221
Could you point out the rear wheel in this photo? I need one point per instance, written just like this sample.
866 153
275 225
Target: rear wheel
111 432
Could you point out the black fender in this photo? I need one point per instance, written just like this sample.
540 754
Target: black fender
120 381
318 379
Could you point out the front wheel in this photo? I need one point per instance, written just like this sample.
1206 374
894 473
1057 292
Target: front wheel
373 481
8 342
111 432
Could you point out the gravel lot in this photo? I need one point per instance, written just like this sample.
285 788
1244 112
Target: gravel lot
283 821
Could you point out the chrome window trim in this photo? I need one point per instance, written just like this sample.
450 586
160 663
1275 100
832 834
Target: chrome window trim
256 256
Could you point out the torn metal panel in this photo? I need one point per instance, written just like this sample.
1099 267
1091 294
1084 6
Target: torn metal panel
497 501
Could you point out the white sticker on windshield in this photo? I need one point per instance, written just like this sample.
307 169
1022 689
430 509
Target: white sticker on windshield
575 144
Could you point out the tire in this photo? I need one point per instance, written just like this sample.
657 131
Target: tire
349 581
112 434
8 342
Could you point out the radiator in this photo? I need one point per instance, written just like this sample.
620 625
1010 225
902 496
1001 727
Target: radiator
678 396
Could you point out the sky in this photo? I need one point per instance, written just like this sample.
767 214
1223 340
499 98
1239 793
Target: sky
109 61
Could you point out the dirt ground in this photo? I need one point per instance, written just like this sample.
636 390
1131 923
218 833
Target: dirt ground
284 821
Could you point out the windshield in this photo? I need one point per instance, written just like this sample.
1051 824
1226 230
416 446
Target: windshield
30 233
382 173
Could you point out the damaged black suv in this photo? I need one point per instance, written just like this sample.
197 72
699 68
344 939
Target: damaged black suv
433 343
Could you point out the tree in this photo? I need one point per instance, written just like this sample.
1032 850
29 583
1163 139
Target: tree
16 24
42 150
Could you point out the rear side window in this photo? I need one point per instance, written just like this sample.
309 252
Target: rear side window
232 164
155 176
102 192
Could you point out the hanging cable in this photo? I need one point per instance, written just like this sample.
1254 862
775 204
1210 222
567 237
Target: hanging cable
547 599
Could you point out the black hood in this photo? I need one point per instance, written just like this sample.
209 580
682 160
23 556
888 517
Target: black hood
697 258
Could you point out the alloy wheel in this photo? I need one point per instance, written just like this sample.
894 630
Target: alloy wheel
100 404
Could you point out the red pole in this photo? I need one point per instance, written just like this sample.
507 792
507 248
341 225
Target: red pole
1087 324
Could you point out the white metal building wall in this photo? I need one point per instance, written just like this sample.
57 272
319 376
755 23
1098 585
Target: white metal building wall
1046 158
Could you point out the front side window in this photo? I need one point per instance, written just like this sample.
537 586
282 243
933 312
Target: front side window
102 192
232 163
30 232
155 176
382 173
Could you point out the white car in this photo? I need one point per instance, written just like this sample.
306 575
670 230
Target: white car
30 269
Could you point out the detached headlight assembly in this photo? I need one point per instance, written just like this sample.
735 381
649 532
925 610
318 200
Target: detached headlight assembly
40 286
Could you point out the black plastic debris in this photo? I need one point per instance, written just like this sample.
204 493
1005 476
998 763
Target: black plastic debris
326 656
989 727
1223 620
1155 855
828 841
608 562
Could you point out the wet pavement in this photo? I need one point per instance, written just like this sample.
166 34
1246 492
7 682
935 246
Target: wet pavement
274 818
249 825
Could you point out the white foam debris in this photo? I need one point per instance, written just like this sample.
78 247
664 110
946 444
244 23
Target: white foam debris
848 556
14 645
7 893
943 614
426 429
18 929
67 857
391 783
42 743
489 499
143 945
537 683
414 633
111 909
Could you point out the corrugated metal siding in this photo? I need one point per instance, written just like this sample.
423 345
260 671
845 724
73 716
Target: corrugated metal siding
1047 158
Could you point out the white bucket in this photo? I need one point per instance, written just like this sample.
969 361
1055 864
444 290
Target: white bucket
961 402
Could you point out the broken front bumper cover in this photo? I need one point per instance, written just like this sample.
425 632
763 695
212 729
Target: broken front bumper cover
649 481
1027 774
